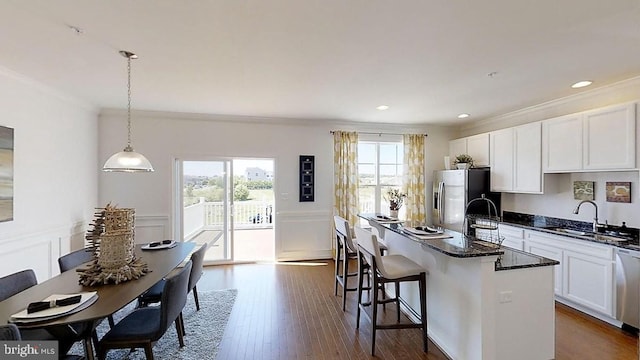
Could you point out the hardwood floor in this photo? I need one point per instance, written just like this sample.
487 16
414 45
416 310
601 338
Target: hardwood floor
288 311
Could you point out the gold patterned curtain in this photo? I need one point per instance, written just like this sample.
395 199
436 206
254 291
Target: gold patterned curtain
413 177
345 160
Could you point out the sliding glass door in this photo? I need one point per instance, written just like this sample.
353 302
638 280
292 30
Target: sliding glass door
229 205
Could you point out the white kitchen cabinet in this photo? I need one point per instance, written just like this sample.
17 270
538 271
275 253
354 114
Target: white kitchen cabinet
586 272
457 147
589 281
515 159
477 146
539 244
501 152
527 167
601 139
513 236
609 137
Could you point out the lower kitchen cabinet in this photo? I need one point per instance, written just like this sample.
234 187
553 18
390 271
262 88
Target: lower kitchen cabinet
538 245
588 281
586 272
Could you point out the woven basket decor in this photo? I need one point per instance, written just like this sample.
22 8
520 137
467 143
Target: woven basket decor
113 241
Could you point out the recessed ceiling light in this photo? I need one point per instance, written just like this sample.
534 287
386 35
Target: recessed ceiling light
383 107
580 84
464 115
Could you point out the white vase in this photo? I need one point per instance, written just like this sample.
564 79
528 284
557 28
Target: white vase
393 213
462 166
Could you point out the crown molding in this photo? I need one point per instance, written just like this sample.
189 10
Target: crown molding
585 95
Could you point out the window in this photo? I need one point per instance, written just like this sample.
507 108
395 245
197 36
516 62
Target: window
379 168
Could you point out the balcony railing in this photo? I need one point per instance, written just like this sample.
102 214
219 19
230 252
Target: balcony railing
210 216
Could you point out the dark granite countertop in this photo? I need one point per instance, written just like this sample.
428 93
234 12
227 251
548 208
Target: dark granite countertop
459 246
552 225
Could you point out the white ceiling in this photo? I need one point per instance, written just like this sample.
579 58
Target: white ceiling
428 60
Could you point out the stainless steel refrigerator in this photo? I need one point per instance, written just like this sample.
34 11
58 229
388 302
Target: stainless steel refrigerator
452 191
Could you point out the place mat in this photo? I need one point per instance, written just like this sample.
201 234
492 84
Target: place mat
86 299
433 237
422 230
386 219
159 247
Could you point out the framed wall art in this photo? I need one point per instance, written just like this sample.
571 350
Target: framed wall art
583 190
618 192
6 174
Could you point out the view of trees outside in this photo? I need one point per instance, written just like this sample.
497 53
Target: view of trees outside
211 186
379 169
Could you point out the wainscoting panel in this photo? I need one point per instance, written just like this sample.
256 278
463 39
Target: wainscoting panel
152 228
303 235
39 251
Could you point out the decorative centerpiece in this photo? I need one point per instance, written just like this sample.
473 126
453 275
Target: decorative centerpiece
112 241
395 198
463 161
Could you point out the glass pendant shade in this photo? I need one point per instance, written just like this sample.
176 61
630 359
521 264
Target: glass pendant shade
127 161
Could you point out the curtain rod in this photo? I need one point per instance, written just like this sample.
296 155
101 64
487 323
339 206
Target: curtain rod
374 133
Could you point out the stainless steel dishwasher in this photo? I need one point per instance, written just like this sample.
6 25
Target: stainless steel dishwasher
628 286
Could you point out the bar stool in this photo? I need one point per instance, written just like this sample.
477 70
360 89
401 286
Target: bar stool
389 269
346 249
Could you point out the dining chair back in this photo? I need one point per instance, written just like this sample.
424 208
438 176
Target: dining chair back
65 334
16 282
154 294
74 258
197 265
144 326
9 332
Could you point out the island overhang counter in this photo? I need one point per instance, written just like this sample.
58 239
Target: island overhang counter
483 302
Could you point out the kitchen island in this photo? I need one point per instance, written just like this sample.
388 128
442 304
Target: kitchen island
483 302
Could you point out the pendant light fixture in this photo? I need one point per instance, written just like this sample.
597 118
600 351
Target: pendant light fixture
128 160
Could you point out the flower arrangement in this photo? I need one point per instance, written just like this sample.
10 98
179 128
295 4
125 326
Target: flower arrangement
395 198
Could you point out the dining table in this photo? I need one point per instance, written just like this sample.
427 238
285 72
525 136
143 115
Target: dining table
111 297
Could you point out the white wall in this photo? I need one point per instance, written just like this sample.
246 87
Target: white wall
303 230
557 201
55 174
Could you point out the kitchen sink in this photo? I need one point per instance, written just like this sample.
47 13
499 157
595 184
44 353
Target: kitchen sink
609 239
592 236
572 232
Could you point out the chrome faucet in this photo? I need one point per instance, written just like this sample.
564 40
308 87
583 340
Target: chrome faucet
595 219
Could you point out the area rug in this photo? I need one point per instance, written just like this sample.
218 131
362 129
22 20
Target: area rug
204 330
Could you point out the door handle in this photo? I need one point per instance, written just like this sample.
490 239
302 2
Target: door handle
440 199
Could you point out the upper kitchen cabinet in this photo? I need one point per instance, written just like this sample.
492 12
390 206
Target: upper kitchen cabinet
601 139
516 159
477 146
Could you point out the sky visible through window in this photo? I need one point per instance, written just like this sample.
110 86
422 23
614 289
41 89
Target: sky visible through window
212 168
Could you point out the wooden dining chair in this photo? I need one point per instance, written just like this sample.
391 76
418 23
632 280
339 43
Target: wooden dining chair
144 326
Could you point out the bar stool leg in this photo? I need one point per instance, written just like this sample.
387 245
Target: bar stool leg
338 249
422 286
345 276
397 286
360 281
374 309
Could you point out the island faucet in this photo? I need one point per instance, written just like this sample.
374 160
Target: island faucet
595 219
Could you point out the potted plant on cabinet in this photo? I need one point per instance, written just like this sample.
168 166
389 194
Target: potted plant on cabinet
395 198
463 161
